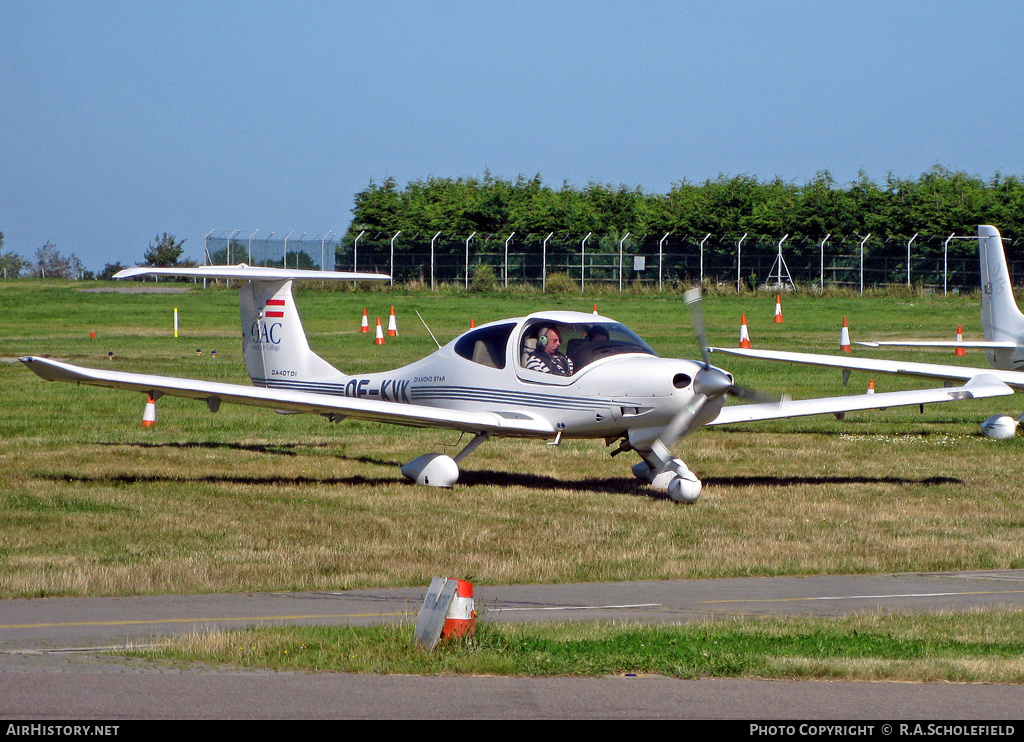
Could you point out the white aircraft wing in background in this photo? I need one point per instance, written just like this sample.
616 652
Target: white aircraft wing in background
982 385
907 368
976 344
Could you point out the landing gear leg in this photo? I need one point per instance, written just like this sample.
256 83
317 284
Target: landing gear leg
438 469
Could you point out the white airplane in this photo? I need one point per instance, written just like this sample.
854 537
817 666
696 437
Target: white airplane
1003 325
479 383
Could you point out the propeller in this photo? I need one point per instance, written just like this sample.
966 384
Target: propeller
693 300
708 383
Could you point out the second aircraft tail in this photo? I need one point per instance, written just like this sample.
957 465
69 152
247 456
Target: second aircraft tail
1001 318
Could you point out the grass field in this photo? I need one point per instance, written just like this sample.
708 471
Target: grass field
973 647
93 504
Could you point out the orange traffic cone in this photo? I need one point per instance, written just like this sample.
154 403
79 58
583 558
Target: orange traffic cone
595 309
844 338
960 339
744 335
472 323
365 325
778 309
379 340
149 416
461 619
871 387
392 325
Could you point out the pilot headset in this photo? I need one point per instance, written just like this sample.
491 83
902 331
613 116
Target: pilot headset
542 338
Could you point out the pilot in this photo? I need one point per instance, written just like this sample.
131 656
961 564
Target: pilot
545 357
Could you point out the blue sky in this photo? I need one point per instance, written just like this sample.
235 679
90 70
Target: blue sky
124 120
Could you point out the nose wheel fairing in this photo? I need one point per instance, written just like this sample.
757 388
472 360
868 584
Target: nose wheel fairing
667 473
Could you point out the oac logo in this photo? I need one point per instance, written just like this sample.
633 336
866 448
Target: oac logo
261 333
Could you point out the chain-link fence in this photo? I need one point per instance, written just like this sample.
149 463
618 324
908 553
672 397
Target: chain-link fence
654 261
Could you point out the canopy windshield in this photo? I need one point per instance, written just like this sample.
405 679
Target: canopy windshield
587 342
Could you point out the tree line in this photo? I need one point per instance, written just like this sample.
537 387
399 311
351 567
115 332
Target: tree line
164 251
937 204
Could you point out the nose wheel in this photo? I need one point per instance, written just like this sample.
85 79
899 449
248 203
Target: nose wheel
669 474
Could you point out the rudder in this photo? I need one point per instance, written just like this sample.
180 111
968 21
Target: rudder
1001 318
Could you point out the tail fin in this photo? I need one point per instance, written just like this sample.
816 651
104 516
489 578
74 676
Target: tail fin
273 342
1001 318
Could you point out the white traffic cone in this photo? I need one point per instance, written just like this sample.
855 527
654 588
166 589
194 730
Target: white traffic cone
392 325
778 309
149 416
744 335
960 338
379 340
844 338
365 323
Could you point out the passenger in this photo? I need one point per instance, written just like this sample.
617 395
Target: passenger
597 334
546 358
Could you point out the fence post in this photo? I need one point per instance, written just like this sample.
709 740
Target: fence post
823 260
661 257
284 262
265 243
620 261
908 257
506 257
467 258
392 267
706 238
323 244
862 262
249 262
739 247
229 245
432 241
544 265
355 251
583 259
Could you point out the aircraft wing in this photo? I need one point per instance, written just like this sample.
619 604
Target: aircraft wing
976 344
499 422
982 385
906 368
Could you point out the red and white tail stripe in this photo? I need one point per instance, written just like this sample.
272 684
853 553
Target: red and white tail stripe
274 308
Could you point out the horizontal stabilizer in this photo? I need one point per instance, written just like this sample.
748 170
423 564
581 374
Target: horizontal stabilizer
245 272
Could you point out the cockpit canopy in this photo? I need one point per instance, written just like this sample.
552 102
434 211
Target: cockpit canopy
582 342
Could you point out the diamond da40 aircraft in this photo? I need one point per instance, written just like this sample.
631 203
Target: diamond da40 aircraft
482 383
1002 322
